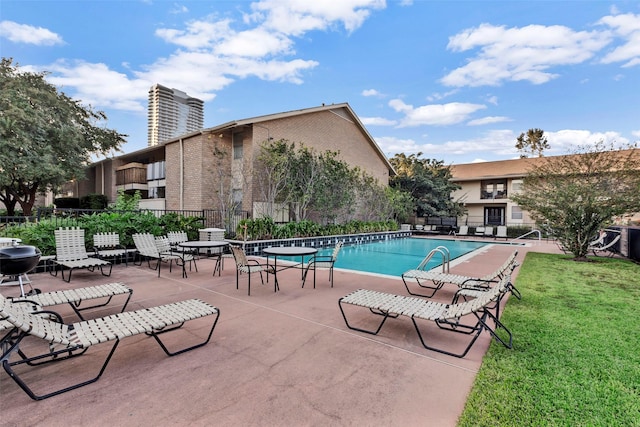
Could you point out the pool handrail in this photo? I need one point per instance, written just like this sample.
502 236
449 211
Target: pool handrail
538 232
446 258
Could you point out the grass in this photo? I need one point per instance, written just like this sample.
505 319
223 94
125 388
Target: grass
576 355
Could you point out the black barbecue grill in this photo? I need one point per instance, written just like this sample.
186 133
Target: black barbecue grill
16 261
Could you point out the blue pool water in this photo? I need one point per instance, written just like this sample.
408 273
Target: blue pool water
394 257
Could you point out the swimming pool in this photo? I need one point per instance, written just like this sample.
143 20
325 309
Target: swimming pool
394 257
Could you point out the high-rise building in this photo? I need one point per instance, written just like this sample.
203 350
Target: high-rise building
171 113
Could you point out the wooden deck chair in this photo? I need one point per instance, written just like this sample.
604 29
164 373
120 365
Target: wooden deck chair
438 279
107 246
71 253
248 266
69 341
446 316
327 261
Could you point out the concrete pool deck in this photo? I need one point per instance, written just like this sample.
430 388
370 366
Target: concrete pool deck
275 359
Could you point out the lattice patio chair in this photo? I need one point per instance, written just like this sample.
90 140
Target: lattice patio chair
249 266
177 237
107 246
69 341
322 261
71 253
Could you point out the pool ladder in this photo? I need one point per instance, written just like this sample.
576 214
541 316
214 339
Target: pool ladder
446 258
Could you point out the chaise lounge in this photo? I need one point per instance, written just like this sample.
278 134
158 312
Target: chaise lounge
446 316
74 340
438 280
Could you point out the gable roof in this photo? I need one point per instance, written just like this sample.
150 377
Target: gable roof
343 110
514 168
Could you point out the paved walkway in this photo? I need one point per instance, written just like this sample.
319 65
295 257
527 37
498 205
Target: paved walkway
275 359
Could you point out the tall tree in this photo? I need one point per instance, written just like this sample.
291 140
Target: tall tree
533 142
273 168
577 195
46 138
429 183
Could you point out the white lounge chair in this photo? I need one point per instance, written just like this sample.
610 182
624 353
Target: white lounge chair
77 297
463 231
107 246
159 248
446 316
73 340
608 249
501 232
71 253
438 279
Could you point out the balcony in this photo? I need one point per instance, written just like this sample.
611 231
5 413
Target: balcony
132 176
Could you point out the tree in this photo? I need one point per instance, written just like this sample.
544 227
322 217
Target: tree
334 196
533 142
273 168
46 138
577 195
428 181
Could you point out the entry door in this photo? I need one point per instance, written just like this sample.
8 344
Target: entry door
494 216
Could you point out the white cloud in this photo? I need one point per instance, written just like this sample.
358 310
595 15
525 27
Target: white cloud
296 17
21 33
636 133
89 81
434 114
179 8
438 96
488 120
515 54
496 142
626 27
212 53
370 92
377 121
567 140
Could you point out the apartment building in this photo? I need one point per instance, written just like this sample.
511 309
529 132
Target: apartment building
486 188
171 113
203 169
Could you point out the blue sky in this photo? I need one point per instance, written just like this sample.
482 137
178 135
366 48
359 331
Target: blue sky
455 80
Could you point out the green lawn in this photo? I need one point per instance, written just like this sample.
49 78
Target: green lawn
576 355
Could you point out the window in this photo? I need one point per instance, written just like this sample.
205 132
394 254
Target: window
516 212
493 189
516 185
236 195
237 146
156 171
156 193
